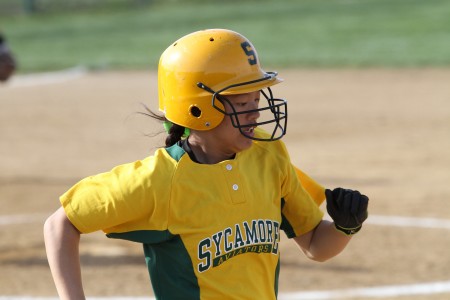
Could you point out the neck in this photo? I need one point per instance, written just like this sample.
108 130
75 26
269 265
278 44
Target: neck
206 150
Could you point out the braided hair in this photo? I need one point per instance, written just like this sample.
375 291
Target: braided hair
176 132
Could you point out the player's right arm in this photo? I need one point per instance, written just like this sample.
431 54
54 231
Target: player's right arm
62 247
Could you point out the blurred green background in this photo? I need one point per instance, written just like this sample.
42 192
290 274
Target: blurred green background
132 34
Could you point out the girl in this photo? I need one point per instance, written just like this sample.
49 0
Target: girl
208 208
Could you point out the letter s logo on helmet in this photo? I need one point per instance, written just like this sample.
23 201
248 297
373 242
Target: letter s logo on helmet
196 73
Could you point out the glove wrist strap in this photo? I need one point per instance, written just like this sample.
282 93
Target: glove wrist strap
348 231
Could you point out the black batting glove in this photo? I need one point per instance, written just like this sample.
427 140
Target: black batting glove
347 208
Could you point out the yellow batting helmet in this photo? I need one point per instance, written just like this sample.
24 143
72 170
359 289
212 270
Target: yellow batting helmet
196 72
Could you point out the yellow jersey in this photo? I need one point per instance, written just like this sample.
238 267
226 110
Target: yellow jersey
208 231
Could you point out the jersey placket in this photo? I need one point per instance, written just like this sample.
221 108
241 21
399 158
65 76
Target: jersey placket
234 183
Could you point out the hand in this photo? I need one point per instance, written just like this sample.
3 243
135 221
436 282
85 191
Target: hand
347 208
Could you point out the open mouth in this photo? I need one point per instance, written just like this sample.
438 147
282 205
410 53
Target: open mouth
249 130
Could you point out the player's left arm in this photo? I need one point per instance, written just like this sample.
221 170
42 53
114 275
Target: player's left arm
348 209
314 189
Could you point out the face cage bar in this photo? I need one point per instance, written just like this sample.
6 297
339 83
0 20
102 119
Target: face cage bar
278 110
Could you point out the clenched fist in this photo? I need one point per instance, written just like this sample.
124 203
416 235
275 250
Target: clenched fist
347 208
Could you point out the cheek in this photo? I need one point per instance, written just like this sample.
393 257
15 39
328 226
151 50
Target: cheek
227 131
226 124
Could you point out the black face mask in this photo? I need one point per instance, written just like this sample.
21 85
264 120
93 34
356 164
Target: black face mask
273 116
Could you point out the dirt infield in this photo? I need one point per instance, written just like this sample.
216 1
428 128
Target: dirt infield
384 132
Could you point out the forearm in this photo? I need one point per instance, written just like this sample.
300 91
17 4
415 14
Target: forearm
62 247
324 242
327 242
348 209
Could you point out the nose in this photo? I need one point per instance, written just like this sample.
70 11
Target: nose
254 114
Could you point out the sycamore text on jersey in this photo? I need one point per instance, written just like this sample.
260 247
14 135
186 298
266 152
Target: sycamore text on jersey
261 236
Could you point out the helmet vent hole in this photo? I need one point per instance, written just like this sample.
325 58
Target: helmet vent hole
211 39
195 111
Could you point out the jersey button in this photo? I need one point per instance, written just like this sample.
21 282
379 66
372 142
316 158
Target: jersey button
229 167
235 187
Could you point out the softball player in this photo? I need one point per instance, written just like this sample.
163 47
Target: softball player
7 61
209 207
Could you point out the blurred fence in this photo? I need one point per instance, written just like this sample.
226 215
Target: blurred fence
17 7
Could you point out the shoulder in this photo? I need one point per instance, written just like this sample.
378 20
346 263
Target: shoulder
163 161
155 168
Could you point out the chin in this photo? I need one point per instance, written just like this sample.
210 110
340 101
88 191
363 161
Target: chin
245 143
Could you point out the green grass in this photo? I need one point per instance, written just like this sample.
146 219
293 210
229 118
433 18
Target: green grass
288 33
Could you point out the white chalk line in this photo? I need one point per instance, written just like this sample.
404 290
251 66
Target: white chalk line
46 78
432 223
372 292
